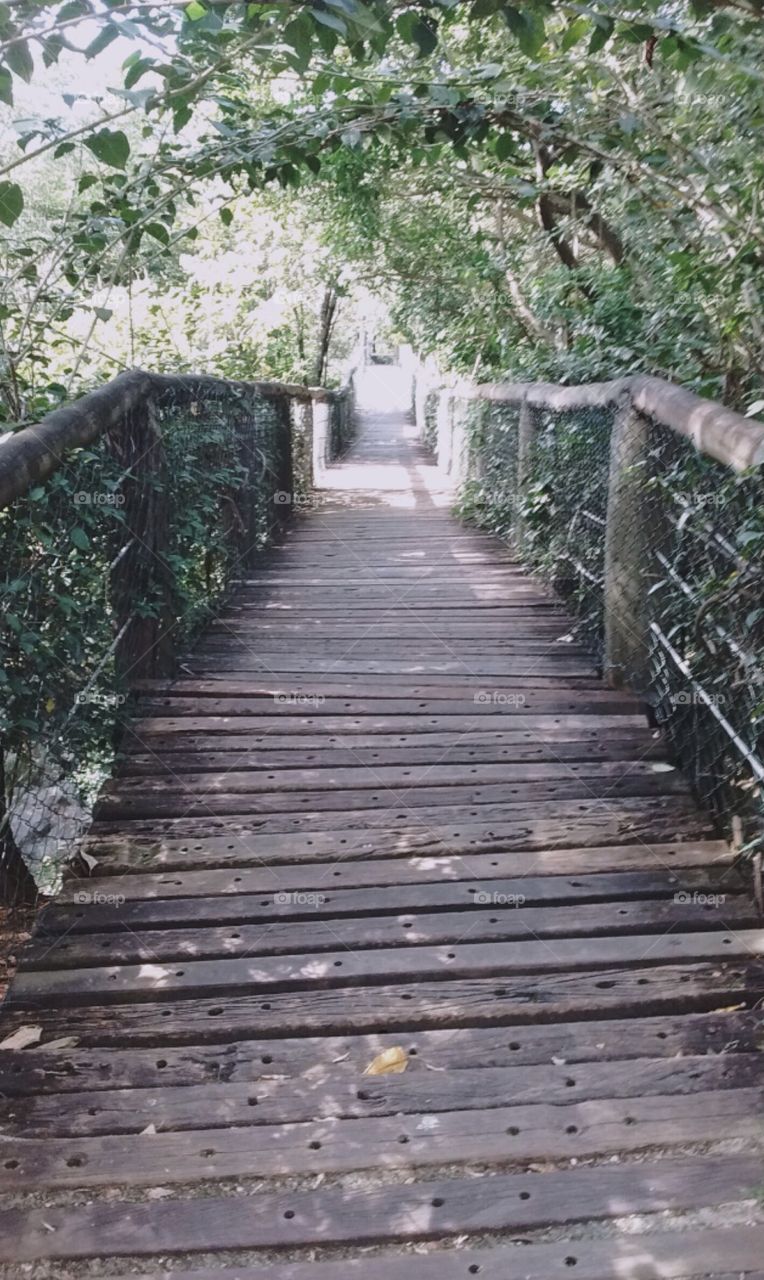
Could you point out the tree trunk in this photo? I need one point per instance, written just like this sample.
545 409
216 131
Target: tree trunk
17 884
328 315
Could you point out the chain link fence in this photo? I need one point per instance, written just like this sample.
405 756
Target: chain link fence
656 548
111 564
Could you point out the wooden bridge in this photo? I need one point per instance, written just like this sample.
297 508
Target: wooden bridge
404 952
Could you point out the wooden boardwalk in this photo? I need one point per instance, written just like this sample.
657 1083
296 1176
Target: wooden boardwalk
388 807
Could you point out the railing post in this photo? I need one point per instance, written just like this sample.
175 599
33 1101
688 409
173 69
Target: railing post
443 446
322 436
526 432
141 573
628 540
421 392
302 444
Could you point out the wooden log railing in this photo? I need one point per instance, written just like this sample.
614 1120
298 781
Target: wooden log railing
644 504
122 518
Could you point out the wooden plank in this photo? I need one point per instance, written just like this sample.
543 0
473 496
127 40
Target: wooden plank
653 819
411 930
288 811
720 1253
340 967
502 1135
639 992
263 723
600 773
537 667
420 1211
230 644
425 693
197 759
76 1069
382 886
322 1094
343 887
514 843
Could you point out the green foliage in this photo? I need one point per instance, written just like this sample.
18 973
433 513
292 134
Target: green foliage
432 142
63 692
704 568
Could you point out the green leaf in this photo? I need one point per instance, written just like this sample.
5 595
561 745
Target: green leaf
102 41
137 69
158 231
11 202
194 11
6 87
329 20
103 313
19 59
110 146
601 34
226 217
528 26
505 146
575 32
425 36
299 35
80 538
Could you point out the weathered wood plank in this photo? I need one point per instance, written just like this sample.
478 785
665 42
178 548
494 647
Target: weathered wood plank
77 1069
605 775
502 1135
715 1254
340 967
263 722
343 887
132 946
202 756
323 1094
639 992
422 1211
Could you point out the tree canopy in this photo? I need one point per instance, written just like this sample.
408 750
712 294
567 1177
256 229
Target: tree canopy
537 190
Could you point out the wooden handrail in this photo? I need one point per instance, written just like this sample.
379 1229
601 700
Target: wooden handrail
717 431
33 453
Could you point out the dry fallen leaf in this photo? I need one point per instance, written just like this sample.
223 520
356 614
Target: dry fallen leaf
662 768
66 1042
90 862
391 1062
150 1128
22 1038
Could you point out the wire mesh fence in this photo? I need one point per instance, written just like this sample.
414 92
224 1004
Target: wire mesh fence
657 551
110 565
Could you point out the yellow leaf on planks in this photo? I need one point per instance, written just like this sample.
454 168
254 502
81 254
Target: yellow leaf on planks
391 1062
